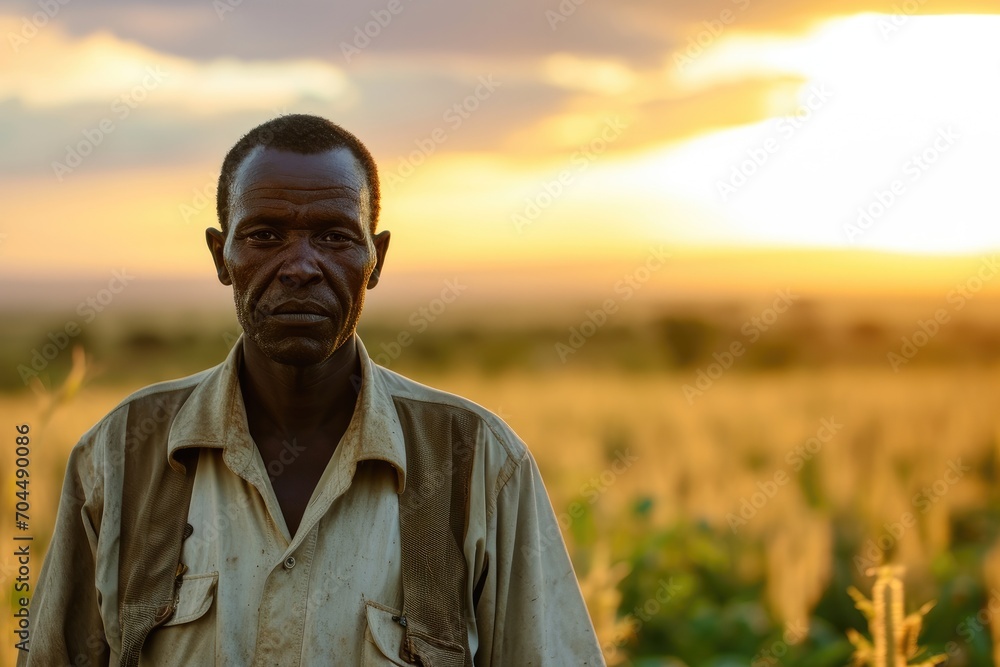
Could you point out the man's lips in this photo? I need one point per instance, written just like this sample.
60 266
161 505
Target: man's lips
296 307
298 318
298 312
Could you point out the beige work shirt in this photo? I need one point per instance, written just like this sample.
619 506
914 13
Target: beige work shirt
255 595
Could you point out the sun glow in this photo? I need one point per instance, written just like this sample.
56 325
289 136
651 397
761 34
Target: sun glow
890 144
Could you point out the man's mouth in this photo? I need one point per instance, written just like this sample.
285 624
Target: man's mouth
298 312
298 318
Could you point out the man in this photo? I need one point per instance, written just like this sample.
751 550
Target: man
336 512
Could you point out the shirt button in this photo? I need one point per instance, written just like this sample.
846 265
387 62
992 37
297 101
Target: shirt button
290 562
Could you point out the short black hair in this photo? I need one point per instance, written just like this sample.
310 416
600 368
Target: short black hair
300 133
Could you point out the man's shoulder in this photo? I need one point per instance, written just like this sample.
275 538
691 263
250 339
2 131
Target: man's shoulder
402 388
160 398
166 392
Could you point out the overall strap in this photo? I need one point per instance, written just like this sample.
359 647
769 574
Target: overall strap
433 517
155 498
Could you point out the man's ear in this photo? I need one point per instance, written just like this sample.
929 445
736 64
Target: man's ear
217 245
381 241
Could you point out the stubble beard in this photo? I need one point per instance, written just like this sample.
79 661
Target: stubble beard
302 350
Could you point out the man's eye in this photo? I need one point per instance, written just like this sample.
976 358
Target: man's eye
263 235
336 237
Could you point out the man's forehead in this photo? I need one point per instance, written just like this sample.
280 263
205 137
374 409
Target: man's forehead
277 169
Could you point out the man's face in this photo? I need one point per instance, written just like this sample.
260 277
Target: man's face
299 251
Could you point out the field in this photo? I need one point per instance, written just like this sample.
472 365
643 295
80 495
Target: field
716 528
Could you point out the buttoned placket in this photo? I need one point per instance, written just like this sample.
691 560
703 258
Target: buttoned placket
283 611
283 605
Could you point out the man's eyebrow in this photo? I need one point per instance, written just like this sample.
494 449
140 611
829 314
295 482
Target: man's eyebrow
264 216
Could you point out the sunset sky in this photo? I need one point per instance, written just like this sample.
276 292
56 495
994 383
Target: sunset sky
539 134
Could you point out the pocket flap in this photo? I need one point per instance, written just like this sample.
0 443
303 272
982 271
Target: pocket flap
194 598
386 634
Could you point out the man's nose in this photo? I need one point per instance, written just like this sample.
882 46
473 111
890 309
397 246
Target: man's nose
300 266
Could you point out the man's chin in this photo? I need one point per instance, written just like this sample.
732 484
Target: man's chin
297 351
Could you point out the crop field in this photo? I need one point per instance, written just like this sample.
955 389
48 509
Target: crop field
716 528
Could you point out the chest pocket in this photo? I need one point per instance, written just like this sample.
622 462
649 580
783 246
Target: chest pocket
384 638
194 598
188 638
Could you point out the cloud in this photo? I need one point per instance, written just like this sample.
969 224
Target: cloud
599 76
206 29
55 70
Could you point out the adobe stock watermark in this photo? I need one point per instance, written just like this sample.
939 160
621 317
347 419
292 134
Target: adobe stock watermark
454 116
201 199
420 319
30 25
223 7
625 288
121 108
927 329
973 624
552 189
365 34
204 196
435 481
709 33
753 329
209 530
912 171
59 340
770 656
796 460
139 431
874 549
666 592
786 128
901 14
562 12
591 490
931 494
290 451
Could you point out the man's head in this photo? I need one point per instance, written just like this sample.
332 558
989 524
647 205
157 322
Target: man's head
298 133
297 243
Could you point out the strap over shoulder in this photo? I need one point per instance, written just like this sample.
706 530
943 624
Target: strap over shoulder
434 516
155 500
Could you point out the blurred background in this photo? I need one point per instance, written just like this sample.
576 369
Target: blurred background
726 266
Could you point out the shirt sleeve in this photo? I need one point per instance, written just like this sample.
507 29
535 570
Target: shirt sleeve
65 621
531 608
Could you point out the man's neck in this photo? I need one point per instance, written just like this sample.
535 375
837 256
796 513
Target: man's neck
294 399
